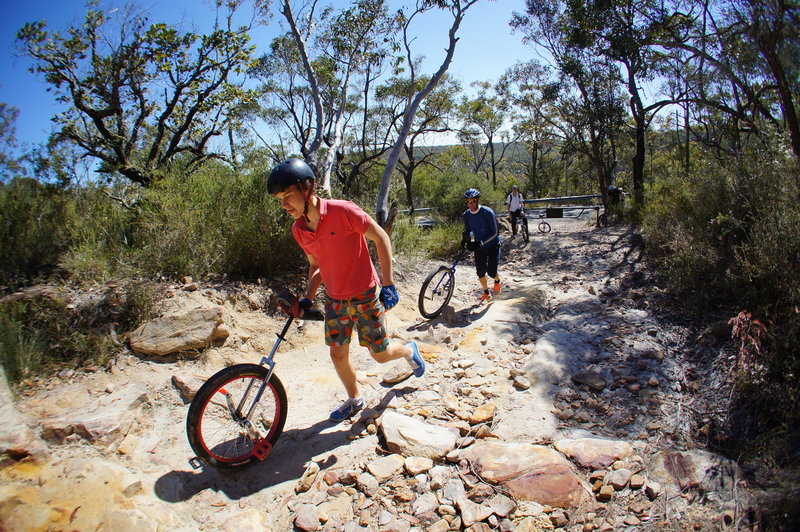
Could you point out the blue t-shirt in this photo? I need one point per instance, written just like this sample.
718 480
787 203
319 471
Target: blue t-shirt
484 225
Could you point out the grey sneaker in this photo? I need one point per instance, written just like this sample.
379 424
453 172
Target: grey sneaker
416 360
347 409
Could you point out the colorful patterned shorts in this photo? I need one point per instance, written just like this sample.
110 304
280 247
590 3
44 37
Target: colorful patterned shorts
364 312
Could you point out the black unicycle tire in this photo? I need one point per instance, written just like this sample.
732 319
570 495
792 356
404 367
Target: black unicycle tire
602 220
437 289
544 227
216 435
524 228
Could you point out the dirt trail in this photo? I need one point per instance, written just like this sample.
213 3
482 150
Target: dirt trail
577 301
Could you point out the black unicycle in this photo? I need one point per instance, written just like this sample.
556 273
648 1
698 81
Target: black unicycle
238 414
544 227
437 289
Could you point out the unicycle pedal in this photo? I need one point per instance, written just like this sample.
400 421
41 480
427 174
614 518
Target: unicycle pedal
262 448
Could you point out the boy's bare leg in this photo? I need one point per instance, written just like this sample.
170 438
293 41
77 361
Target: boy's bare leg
340 356
393 352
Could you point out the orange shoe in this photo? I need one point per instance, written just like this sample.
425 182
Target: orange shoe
496 287
486 297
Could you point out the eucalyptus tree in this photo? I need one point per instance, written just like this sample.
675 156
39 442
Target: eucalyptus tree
414 98
346 43
628 33
741 66
9 160
436 115
580 90
483 122
370 133
525 88
286 105
138 96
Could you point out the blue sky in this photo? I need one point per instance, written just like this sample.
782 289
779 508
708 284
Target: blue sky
485 50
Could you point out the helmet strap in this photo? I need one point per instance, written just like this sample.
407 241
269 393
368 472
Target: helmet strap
309 194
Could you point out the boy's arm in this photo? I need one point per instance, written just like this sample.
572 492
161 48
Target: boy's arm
383 246
314 277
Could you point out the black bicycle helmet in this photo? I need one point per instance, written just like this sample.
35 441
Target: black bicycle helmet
287 173
472 193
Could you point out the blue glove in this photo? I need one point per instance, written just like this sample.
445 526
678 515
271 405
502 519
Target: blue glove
389 296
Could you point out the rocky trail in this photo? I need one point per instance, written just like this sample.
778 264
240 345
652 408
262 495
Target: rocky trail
570 403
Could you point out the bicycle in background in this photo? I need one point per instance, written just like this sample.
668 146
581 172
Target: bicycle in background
522 227
543 227
437 289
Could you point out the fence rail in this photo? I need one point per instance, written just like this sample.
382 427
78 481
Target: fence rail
526 202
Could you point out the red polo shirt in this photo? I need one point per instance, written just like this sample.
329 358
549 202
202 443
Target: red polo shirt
340 248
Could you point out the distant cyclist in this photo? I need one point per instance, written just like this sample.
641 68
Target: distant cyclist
482 236
516 207
333 234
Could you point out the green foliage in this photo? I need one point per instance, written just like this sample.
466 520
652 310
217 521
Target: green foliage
441 241
42 333
34 221
445 193
140 97
684 229
214 221
728 238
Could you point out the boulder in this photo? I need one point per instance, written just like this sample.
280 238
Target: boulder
410 437
529 472
18 438
195 329
593 453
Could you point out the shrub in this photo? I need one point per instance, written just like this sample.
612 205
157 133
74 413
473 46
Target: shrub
684 231
440 241
34 228
445 194
728 239
215 221
42 333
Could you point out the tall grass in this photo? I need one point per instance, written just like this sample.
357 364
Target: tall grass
43 333
34 228
212 222
440 241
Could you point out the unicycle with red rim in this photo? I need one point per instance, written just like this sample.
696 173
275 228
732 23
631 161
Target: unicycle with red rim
238 414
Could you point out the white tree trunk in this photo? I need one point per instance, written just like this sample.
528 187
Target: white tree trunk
458 9
330 157
313 149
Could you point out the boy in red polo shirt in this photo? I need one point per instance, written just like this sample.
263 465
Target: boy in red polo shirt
333 236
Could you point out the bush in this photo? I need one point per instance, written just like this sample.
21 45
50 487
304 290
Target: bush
213 222
100 234
445 194
41 333
440 241
34 228
728 239
689 235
